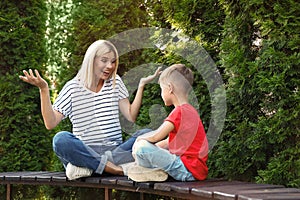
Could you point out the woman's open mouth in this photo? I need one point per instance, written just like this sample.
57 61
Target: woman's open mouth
107 74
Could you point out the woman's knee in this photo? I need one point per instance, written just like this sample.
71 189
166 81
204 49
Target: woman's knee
60 139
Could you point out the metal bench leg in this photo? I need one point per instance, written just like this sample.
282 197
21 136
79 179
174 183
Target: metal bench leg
8 191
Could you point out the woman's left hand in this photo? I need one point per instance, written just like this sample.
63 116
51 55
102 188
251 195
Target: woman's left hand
150 78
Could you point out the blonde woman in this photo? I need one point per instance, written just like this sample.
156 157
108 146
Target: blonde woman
91 100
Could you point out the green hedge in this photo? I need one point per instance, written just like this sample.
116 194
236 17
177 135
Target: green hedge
255 45
260 53
24 142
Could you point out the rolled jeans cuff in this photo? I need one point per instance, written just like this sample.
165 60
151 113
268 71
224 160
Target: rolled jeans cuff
102 165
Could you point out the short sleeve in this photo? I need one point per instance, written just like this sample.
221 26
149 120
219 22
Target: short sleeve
63 103
123 92
175 118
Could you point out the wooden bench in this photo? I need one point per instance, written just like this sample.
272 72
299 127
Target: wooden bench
202 190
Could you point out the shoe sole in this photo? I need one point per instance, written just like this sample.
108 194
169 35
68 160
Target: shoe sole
147 175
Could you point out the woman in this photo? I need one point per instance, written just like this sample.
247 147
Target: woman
92 100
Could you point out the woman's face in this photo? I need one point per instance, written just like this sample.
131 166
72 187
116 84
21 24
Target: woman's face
104 65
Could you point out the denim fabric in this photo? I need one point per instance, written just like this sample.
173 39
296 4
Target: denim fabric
123 153
69 148
150 156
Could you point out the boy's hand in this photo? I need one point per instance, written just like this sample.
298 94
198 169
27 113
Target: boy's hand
35 80
150 78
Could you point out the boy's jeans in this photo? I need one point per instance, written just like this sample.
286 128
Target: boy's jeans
69 148
150 156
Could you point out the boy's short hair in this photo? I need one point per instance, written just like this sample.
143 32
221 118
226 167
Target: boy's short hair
179 75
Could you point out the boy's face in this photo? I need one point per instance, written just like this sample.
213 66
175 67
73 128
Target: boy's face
166 94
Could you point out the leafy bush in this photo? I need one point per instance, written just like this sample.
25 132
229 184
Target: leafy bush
24 142
260 54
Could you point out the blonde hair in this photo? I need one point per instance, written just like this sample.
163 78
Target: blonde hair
179 75
98 48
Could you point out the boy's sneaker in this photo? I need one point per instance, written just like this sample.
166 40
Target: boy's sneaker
142 174
127 166
74 172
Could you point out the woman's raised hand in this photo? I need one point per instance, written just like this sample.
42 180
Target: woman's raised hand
150 78
34 79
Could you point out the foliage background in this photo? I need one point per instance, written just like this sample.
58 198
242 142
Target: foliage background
255 45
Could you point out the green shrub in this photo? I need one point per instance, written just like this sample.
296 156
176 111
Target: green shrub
260 53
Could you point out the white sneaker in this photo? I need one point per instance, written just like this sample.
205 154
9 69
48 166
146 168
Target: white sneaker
142 174
74 172
127 166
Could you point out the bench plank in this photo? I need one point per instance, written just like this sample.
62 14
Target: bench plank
31 176
281 196
110 180
231 192
271 193
61 176
144 185
204 190
124 181
222 190
94 180
45 177
13 176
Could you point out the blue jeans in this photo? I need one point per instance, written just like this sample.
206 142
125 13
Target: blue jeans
151 156
70 149
123 153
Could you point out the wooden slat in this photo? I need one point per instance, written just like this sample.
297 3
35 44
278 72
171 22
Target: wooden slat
124 181
109 180
6 174
46 177
187 187
271 190
59 177
2 176
183 187
281 196
231 192
31 176
144 185
270 193
94 180
208 189
13 176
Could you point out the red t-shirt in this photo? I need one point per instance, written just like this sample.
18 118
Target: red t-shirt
188 140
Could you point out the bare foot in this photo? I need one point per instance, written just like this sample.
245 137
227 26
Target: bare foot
113 169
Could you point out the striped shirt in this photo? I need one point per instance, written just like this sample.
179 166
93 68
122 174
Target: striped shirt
94 116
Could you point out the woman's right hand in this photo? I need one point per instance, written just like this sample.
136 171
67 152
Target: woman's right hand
35 80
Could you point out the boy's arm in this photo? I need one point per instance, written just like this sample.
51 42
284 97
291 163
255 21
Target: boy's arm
159 134
164 144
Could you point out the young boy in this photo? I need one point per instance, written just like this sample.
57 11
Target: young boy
179 147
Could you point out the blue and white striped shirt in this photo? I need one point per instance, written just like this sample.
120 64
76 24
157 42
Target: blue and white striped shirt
94 116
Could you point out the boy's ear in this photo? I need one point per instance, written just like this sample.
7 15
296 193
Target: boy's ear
171 88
